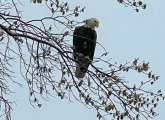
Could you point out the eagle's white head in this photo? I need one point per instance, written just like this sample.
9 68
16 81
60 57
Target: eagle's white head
91 23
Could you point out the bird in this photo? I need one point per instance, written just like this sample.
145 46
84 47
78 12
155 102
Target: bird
84 43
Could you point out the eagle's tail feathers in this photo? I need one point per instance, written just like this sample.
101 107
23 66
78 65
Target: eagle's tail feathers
81 69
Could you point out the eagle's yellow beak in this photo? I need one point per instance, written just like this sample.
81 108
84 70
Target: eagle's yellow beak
97 24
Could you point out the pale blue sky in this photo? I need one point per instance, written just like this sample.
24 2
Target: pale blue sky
125 33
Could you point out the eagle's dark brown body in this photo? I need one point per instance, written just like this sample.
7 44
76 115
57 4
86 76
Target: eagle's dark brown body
84 42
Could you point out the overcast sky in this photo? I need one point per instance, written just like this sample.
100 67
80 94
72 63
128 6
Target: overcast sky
125 33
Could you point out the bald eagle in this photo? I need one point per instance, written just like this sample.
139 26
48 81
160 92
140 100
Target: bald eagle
84 43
